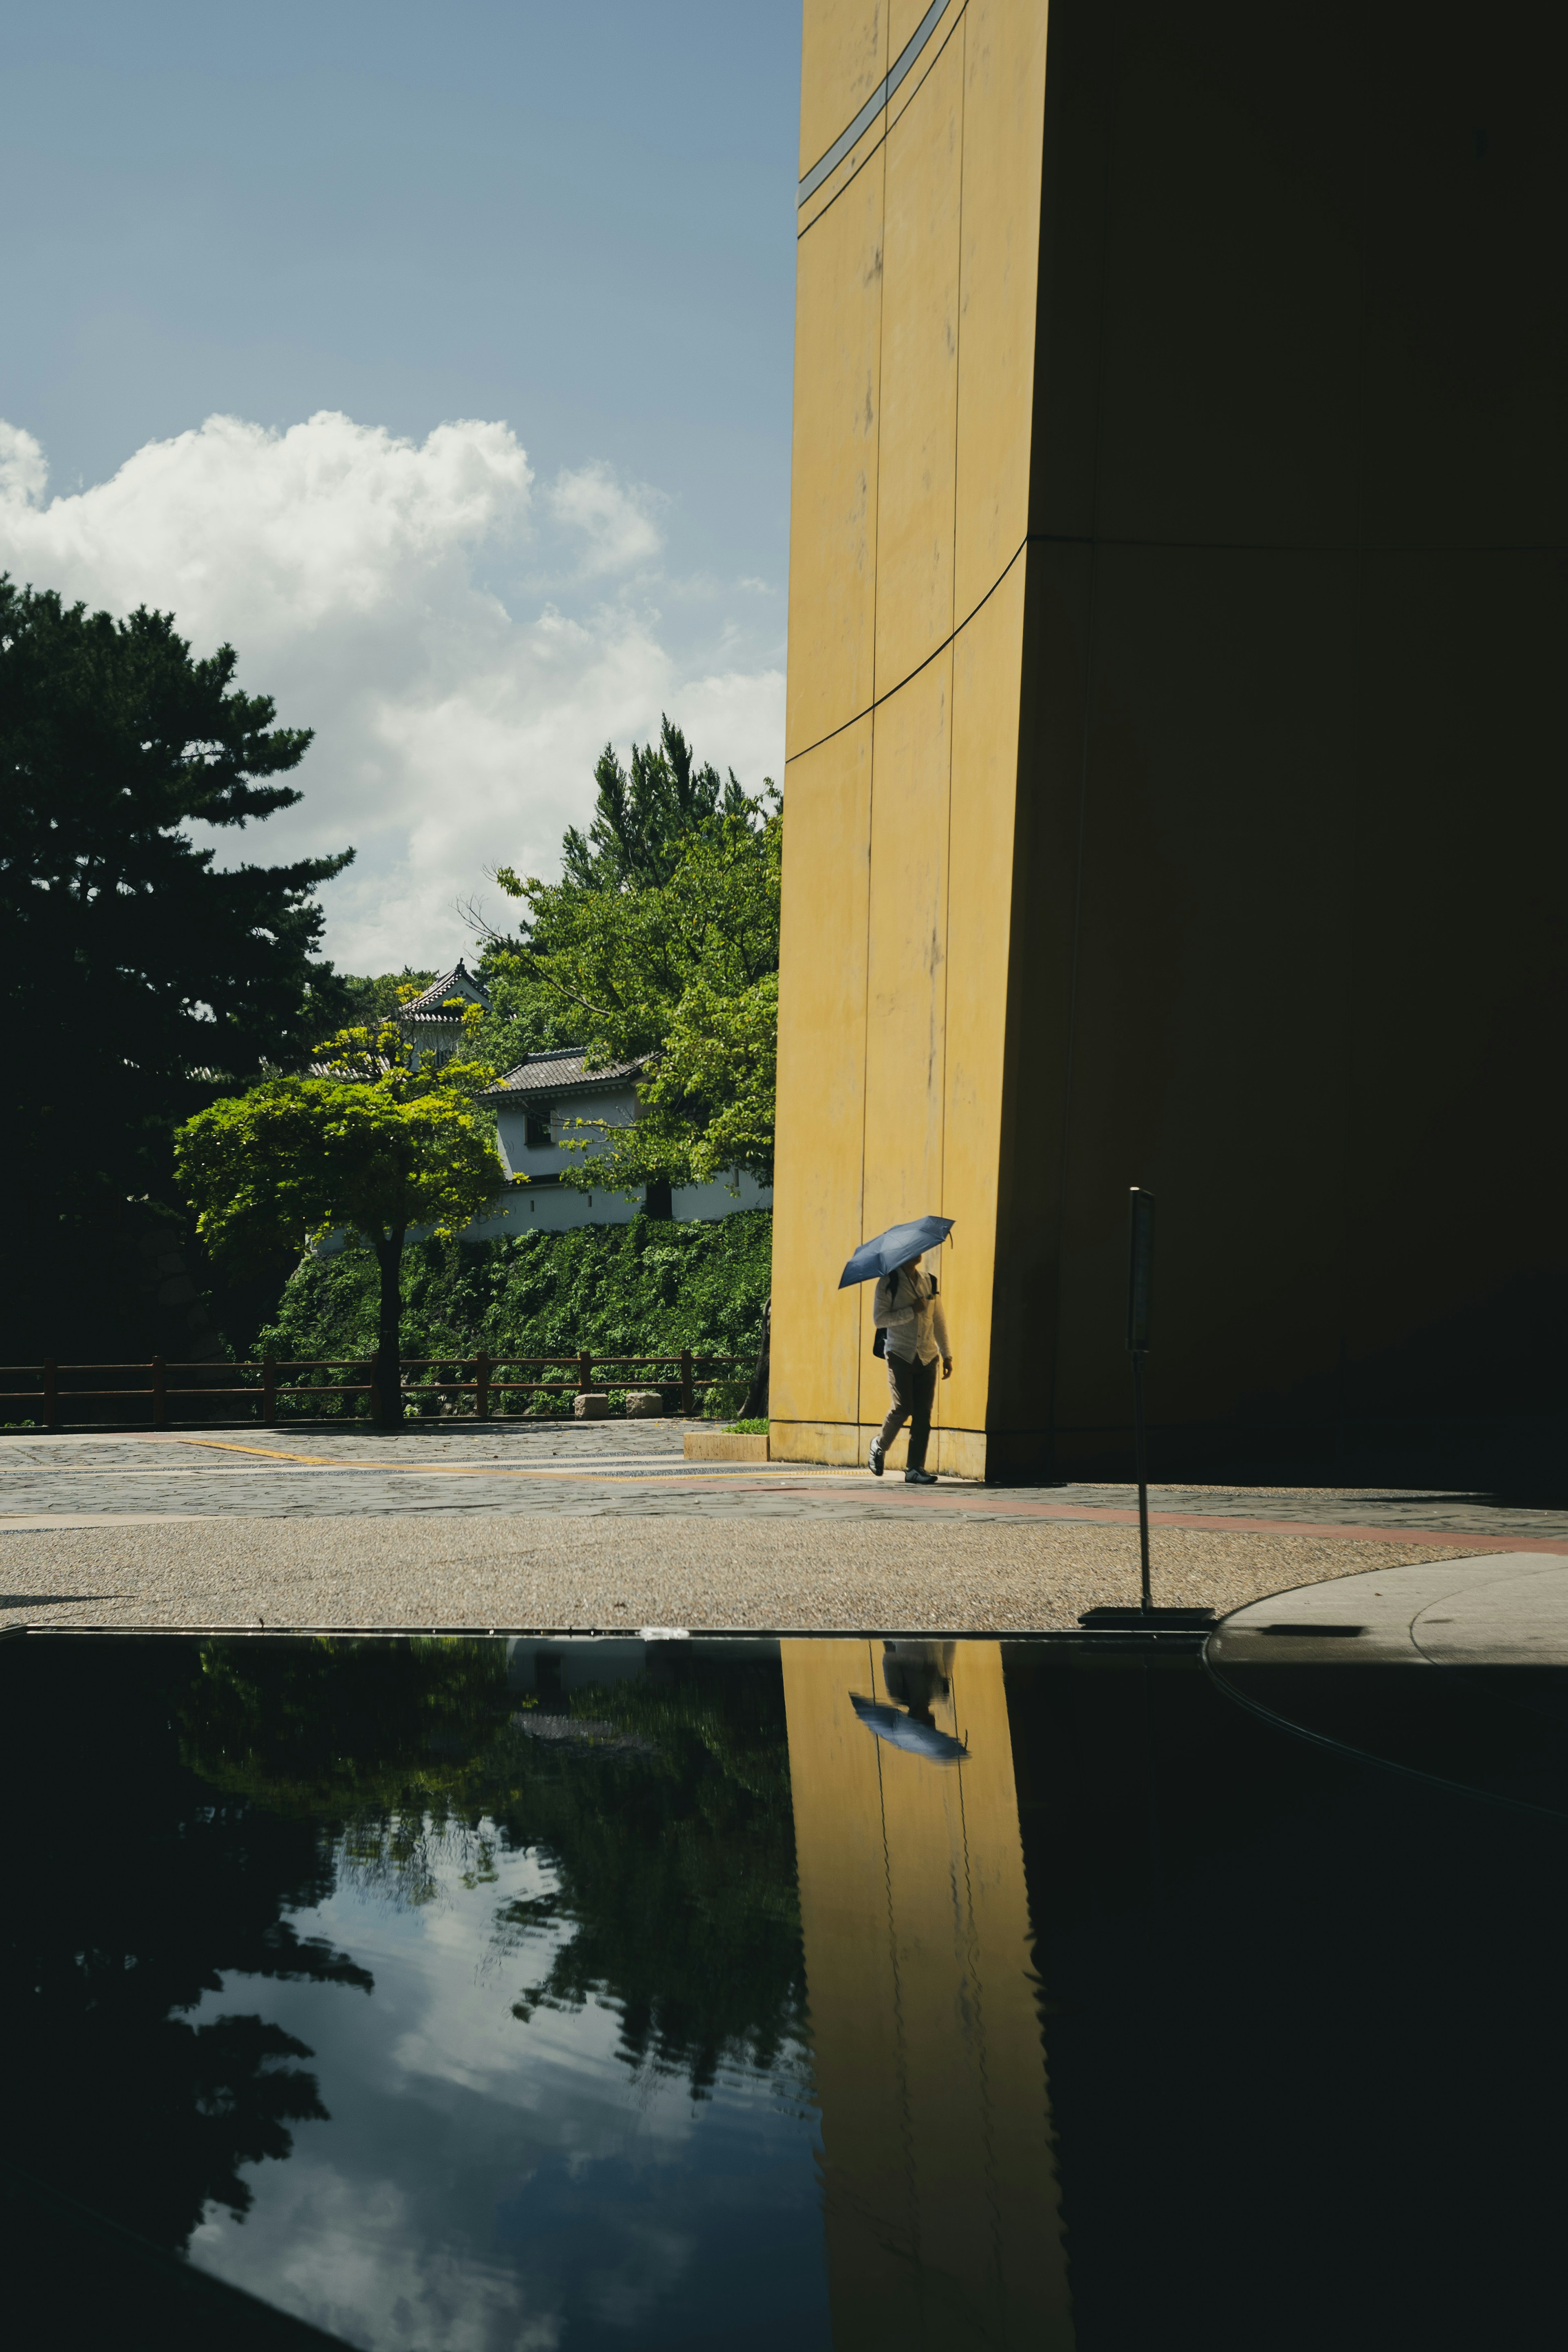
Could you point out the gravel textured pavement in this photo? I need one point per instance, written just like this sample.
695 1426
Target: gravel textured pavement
522 1528
516 1573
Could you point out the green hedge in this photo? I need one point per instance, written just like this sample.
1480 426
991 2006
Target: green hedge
619 1290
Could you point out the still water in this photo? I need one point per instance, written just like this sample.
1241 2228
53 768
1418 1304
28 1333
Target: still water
509 1997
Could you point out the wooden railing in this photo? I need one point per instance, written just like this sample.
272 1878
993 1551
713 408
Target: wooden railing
677 1373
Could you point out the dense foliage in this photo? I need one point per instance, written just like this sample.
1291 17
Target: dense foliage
629 1289
141 976
375 1139
685 972
141 979
645 815
371 998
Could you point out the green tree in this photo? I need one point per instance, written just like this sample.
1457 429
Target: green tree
140 978
646 814
644 818
368 1140
369 1000
684 972
524 1018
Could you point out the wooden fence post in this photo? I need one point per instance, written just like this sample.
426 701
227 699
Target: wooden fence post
688 1395
51 1395
160 1398
270 1389
482 1386
375 1389
584 1371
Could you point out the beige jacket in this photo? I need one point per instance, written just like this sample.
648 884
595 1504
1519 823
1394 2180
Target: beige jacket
913 1320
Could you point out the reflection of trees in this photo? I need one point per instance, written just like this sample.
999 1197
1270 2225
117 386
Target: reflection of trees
375 1742
186 1800
675 1867
672 1844
133 1893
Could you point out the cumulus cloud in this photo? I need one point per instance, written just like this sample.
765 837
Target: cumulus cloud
354 571
619 525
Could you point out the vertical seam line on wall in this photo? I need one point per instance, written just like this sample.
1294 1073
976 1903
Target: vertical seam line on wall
906 2121
962 29
1348 868
971 1934
876 519
1068 1072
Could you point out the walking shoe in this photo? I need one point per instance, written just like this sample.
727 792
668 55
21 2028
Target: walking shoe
876 1457
920 1479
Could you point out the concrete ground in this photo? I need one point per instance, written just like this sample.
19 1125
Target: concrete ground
556 1527
1507 1609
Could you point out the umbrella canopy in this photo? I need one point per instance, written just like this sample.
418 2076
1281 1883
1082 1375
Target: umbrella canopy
900 1730
895 1247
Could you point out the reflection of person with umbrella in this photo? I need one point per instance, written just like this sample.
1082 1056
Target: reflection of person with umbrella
912 1327
915 1673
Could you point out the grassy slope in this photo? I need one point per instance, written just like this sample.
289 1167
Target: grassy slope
616 1289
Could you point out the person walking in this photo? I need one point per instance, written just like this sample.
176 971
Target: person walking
909 1310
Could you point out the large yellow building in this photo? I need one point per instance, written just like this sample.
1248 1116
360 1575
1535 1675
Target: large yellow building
1174 764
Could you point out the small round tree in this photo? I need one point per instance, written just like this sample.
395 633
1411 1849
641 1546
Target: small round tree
368 1140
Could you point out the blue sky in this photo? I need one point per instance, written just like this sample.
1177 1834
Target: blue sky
574 224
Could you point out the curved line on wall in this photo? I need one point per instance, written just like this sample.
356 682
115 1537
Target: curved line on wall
1029 539
879 99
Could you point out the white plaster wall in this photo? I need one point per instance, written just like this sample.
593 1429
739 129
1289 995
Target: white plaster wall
616 1105
549 1209
700 1203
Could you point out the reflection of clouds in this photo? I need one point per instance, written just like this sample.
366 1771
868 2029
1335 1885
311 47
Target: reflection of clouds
624 2294
490 2186
464 2033
346 2254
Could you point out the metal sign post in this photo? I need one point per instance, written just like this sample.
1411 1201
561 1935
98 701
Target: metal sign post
1147 1623
1139 1281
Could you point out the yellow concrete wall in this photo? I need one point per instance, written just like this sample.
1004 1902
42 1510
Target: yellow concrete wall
913 374
844 56
939 2191
1176 605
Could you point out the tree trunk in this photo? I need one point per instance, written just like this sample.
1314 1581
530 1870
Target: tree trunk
388 1341
756 1405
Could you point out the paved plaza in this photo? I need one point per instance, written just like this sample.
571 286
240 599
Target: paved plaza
560 1527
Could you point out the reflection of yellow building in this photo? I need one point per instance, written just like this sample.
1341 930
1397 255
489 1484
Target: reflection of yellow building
1174 730
939 2191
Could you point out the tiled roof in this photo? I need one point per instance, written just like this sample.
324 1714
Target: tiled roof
354 1069
428 1004
542 1077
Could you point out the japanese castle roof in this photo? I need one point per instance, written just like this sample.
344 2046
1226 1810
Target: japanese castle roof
545 1077
430 1003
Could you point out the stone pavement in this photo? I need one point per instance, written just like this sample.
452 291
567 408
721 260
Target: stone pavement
449 1527
1507 1609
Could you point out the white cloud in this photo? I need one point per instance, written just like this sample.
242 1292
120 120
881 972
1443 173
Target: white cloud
617 524
351 568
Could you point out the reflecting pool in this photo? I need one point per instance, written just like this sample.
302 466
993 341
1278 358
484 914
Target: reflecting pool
461 1996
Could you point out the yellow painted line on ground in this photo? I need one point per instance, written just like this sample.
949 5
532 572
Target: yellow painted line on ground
499 1470
272 1452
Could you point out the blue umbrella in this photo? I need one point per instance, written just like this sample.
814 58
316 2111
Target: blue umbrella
895 1247
900 1730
